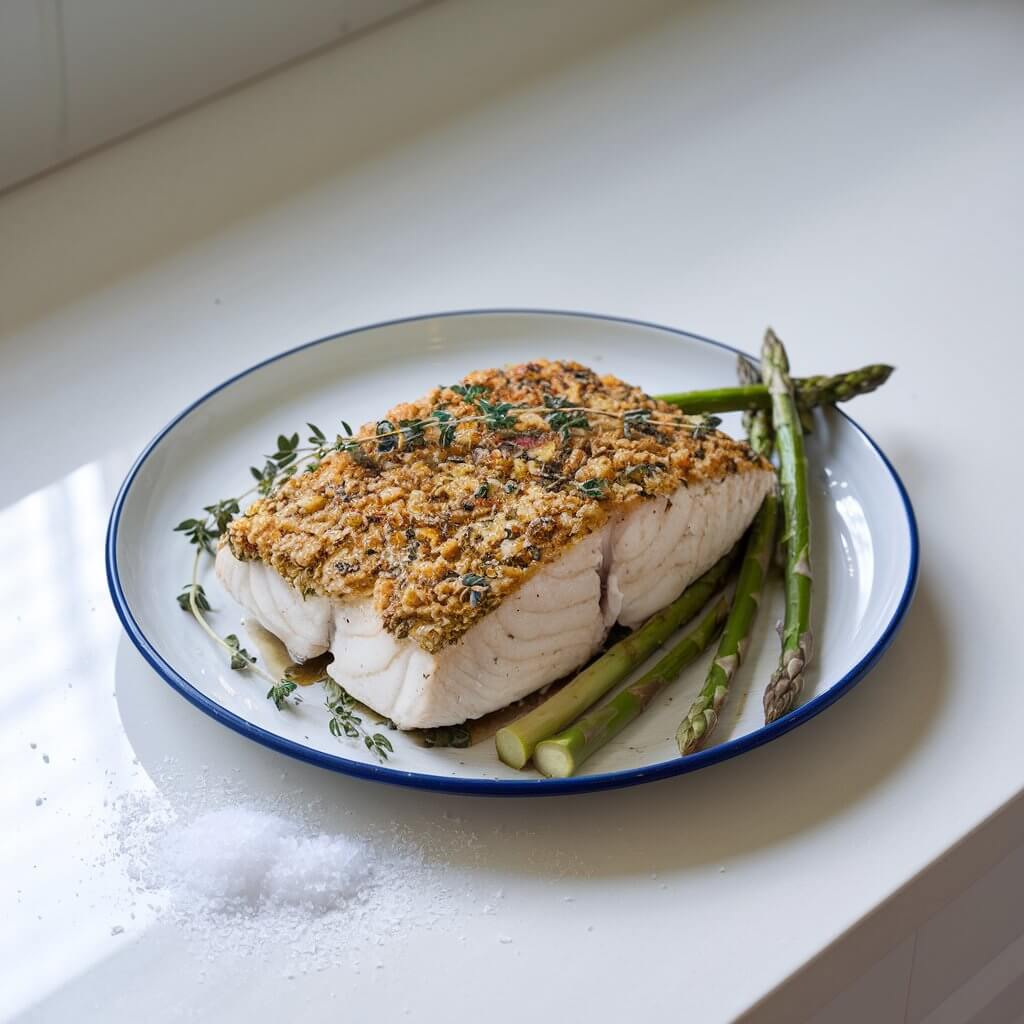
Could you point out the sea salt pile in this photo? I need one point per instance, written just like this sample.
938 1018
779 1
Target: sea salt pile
263 882
241 858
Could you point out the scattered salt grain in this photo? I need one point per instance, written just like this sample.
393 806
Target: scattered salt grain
39 801
46 758
117 930
33 746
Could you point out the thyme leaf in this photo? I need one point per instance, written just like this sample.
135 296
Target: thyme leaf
596 489
385 430
411 432
446 424
280 693
201 602
200 532
469 392
637 422
379 745
705 426
222 512
241 659
564 417
496 415
475 587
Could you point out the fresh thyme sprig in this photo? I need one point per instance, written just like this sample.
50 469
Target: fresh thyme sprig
346 722
240 658
290 456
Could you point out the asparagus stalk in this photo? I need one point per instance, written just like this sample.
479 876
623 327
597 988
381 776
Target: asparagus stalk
703 714
516 742
810 392
702 717
787 680
563 754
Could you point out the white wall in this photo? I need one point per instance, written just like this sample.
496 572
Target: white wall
77 73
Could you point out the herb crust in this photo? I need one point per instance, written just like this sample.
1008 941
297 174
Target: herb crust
475 486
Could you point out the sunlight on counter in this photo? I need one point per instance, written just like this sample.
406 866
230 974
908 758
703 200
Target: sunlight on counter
62 740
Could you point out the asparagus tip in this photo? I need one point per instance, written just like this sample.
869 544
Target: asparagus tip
787 681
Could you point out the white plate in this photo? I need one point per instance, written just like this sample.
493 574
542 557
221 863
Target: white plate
864 536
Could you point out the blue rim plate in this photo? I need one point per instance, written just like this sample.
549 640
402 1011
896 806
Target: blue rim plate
865 537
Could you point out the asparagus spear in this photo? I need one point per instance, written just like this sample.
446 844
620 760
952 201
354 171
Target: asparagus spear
563 754
787 680
516 742
702 717
810 392
703 714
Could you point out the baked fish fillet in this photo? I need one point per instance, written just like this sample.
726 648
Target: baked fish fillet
452 575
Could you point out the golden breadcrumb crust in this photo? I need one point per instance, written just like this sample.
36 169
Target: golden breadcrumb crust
441 535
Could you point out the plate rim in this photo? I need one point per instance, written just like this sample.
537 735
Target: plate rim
495 787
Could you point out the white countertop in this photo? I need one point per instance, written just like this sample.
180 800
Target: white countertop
850 175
